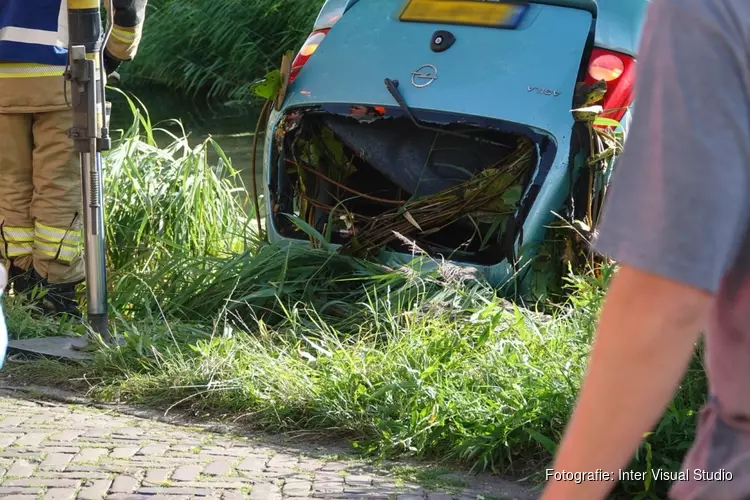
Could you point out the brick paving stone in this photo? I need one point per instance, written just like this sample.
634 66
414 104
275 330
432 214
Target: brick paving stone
157 476
124 452
186 473
153 450
332 477
264 491
182 448
89 455
56 460
354 480
21 468
92 470
297 488
163 497
65 436
131 496
129 431
64 452
328 487
70 450
19 453
97 432
310 465
218 468
228 483
67 474
42 482
252 464
38 419
95 490
6 441
177 490
60 494
124 484
208 480
161 461
282 462
333 467
31 439
13 421
18 490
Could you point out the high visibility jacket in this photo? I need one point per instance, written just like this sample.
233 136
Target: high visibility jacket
34 49
36 33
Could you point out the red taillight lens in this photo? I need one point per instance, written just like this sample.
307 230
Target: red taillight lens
618 71
307 50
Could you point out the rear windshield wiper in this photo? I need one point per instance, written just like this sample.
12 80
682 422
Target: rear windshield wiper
392 86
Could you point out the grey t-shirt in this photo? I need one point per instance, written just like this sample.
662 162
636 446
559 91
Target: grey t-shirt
680 201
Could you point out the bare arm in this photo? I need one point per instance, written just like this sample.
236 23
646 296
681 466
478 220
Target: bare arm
643 345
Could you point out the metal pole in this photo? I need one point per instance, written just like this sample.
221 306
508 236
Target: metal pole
91 136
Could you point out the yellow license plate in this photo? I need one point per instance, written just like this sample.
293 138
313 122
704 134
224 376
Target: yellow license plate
472 12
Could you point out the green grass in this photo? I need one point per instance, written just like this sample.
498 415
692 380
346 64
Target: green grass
217 48
420 360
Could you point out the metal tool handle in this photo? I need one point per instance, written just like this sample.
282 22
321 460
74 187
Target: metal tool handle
90 134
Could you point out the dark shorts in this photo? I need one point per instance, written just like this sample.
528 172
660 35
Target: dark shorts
718 465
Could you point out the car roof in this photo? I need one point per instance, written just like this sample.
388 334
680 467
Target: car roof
620 24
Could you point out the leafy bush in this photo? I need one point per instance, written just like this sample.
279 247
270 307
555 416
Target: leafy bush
218 47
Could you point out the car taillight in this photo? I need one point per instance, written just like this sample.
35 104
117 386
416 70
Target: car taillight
618 71
307 50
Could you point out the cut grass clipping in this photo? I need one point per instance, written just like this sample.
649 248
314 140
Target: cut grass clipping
419 360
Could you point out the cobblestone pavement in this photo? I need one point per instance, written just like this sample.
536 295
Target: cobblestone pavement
57 451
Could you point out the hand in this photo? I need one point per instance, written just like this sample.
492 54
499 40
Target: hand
113 79
110 63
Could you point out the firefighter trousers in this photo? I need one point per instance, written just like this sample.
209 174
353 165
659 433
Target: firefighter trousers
40 196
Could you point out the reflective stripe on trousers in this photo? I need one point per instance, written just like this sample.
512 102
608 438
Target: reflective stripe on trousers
17 241
61 244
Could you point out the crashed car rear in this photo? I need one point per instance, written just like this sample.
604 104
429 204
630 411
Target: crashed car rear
463 129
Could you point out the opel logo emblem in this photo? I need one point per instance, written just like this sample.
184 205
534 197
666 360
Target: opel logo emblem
424 76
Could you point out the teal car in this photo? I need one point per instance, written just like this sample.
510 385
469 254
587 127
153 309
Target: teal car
396 109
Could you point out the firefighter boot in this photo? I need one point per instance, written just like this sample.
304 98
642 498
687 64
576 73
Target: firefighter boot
58 298
21 280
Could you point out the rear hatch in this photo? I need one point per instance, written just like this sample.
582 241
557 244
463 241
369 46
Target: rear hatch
524 74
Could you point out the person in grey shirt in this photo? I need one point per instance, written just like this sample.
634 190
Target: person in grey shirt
676 220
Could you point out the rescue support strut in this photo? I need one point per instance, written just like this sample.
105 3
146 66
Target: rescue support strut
90 134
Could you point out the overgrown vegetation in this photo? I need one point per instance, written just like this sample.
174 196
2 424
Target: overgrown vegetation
217 48
424 360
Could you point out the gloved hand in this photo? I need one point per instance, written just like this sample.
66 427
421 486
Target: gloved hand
110 65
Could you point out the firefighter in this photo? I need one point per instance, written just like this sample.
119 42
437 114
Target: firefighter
40 173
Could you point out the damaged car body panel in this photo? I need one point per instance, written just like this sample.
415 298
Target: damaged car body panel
467 151
487 72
